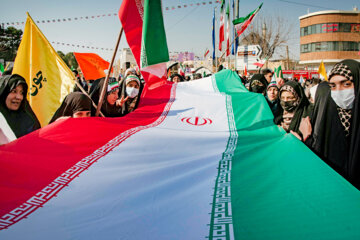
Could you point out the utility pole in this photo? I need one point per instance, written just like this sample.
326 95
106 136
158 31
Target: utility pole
265 45
287 58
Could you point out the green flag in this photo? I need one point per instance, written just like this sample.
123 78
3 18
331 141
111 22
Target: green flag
154 50
1 68
278 71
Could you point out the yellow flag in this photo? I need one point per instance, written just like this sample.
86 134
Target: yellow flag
48 77
322 70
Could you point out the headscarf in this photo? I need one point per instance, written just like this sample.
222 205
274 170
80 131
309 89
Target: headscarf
177 75
130 71
329 139
274 104
254 87
303 107
95 91
132 103
73 102
23 120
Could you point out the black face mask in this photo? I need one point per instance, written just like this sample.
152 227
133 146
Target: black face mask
258 89
288 106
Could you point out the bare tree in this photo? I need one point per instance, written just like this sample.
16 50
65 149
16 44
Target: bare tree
270 32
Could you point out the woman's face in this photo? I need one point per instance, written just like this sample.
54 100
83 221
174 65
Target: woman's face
15 97
81 114
176 79
133 84
339 82
287 96
272 93
112 97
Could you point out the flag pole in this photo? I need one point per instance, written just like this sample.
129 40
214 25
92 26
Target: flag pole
103 90
227 48
216 62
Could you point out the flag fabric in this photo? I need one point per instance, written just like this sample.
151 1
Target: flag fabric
222 25
192 162
278 71
242 23
206 52
228 30
322 70
143 25
213 37
245 71
47 75
259 64
6 133
154 50
1 69
181 70
301 80
92 65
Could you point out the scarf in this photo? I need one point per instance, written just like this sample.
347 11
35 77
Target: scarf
23 120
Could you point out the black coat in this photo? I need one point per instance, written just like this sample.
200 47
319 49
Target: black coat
328 140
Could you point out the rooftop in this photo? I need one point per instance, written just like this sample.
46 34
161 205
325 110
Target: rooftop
329 12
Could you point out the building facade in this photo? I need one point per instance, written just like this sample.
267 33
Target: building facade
329 36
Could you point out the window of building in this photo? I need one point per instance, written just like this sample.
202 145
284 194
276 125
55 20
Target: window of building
329 28
306 48
330 46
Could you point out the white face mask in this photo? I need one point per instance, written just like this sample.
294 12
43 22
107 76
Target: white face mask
132 92
344 98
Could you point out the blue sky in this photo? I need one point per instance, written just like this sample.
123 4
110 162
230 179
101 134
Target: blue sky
187 29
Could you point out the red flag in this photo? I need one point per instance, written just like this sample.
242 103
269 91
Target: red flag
245 71
91 65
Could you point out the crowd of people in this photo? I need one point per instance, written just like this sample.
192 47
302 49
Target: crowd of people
323 114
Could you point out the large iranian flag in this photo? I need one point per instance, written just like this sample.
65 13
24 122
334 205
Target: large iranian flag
196 160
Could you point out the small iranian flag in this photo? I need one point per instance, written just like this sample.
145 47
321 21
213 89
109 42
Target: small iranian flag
242 23
228 31
222 25
182 70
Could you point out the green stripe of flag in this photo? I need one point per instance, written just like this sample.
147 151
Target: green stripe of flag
279 188
1 68
243 19
154 48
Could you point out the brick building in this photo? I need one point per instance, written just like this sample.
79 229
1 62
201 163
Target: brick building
330 36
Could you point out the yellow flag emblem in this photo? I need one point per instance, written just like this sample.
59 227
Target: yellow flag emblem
48 77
